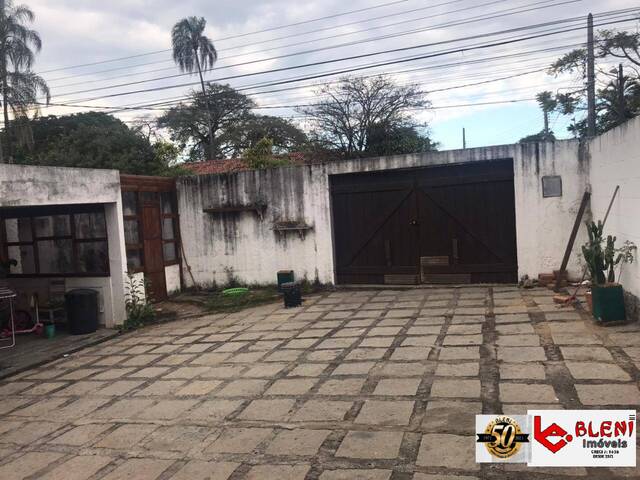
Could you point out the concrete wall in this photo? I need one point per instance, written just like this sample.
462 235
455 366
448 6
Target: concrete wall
172 278
22 186
615 160
244 244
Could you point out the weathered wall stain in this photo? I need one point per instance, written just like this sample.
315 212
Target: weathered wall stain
248 244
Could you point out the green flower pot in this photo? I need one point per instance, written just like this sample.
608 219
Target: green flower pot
608 303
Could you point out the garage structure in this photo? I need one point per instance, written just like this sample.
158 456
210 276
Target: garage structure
61 229
436 224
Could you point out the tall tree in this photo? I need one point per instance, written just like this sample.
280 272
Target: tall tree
21 88
194 51
618 97
233 125
192 126
349 110
96 140
283 134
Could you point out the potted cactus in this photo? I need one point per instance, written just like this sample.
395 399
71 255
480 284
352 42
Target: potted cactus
602 257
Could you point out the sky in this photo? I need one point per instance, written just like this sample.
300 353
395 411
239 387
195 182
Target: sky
101 55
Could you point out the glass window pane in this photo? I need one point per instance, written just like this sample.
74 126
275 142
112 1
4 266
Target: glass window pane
166 202
54 256
130 203
131 231
90 225
149 196
52 226
167 228
25 261
93 257
169 250
134 259
18 229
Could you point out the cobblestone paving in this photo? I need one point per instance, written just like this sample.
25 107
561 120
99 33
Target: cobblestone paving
357 385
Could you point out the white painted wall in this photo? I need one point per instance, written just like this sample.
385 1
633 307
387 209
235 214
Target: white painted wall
247 245
615 160
543 225
22 185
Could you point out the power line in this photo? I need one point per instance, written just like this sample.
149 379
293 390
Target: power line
333 28
391 62
331 47
395 2
298 78
289 55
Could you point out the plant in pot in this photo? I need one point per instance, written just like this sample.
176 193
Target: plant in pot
602 257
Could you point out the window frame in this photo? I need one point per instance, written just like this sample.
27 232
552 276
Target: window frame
139 247
62 210
175 225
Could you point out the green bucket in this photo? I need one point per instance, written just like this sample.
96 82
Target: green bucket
49 330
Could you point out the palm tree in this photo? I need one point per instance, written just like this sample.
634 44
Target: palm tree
194 51
21 88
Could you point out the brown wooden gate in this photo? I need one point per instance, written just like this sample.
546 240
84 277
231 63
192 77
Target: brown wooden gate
152 240
151 226
444 224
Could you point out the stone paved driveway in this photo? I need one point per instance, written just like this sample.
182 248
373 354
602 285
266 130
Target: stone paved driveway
370 385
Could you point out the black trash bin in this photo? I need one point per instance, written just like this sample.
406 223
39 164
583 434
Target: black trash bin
292 294
82 311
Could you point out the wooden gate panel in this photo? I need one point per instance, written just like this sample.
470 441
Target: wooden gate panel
386 222
153 256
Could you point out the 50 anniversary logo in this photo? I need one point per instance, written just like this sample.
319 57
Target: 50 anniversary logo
559 438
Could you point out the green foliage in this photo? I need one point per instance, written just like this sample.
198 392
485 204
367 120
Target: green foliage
397 140
546 101
192 49
261 155
619 99
94 140
235 128
284 135
22 90
601 262
140 312
541 136
593 253
610 259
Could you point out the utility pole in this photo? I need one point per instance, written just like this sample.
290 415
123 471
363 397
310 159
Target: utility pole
591 80
621 103
464 139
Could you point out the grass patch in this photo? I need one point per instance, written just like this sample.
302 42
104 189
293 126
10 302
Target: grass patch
218 303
